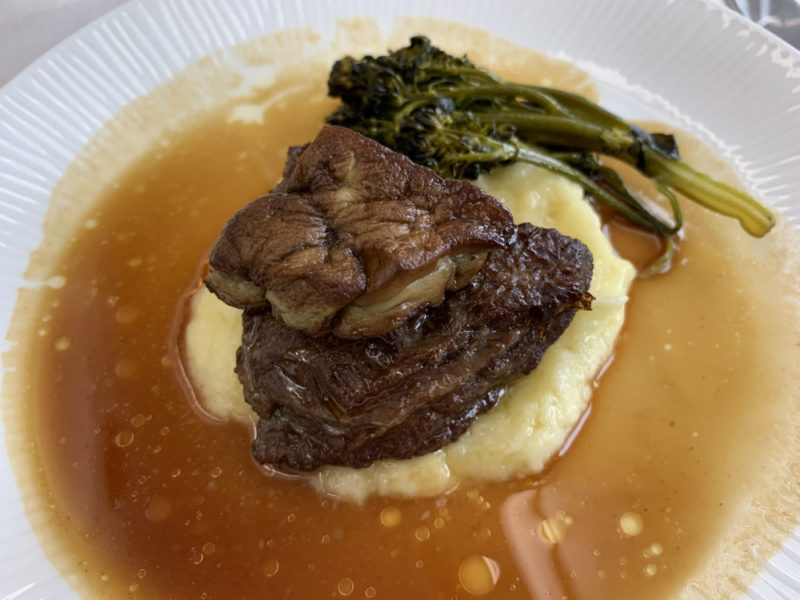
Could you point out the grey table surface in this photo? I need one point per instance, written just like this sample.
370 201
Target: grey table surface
28 28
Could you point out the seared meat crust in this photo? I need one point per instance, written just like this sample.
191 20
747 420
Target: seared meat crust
354 239
325 400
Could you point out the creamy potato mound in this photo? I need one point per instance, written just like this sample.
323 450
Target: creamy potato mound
537 412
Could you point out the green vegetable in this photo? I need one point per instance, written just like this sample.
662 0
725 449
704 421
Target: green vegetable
444 113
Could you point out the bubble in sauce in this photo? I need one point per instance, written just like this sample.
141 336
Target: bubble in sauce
158 509
124 439
478 574
209 548
422 533
126 368
126 314
62 343
650 570
346 586
57 282
631 524
656 549
369 592
270 567
390 516
138 420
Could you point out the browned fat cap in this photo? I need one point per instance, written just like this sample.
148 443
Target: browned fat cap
354 239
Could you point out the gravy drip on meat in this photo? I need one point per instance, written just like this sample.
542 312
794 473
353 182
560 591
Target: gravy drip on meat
690 424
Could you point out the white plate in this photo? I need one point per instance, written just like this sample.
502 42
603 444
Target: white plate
689 62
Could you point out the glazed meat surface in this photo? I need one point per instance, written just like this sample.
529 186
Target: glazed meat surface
323 400
354 239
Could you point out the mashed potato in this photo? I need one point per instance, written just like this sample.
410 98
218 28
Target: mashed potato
536 413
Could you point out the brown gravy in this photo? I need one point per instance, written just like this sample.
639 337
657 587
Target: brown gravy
151 500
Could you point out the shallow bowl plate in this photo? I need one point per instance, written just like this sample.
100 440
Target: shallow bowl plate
688 62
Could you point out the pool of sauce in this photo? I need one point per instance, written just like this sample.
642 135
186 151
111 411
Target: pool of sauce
150 499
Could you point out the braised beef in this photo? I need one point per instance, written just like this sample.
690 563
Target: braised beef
323 400
354 239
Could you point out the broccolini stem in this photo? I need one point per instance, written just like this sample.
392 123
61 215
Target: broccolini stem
662 263
494 91
559 131
581 108
753 216
670 172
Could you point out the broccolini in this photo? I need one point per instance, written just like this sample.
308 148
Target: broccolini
443 112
